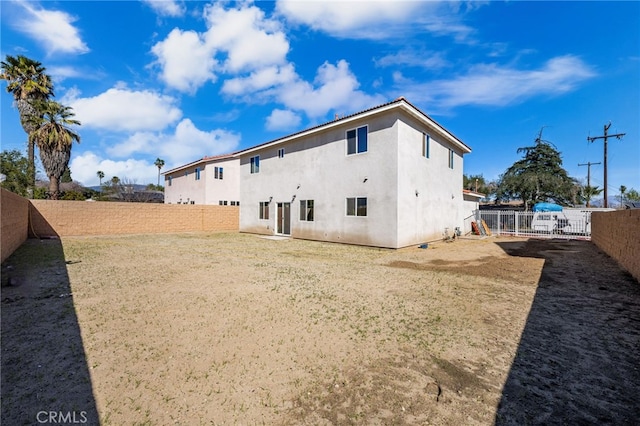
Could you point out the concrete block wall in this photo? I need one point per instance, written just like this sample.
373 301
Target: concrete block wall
15 222
617 233
75 218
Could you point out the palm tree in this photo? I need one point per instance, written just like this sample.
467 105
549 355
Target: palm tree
159 163
27 81
588 192
100 175
623 189
54 138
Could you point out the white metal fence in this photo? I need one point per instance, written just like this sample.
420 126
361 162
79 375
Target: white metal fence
574 224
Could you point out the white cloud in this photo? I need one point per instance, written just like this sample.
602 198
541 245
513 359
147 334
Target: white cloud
259 80
335 88
187 62
189 143
355 19
120 109
52 28
237 40
166 7
282 120
84 168
186 144
250 40
427 60
499 86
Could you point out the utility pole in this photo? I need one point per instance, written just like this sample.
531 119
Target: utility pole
604 137
589 164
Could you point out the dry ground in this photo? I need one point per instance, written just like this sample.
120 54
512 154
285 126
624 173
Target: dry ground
232 328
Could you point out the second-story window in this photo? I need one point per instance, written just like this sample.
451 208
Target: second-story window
218 173
357 140
255 164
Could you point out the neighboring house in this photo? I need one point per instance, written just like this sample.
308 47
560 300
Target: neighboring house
471 208
389 176
210 180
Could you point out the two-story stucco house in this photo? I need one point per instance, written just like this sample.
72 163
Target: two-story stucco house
210 180
389 176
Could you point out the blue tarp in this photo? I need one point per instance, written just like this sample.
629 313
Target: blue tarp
547 207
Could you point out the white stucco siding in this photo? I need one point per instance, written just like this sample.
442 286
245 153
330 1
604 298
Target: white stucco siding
317 167
225 189
182 186
438 203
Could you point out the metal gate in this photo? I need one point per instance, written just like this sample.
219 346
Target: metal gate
570 225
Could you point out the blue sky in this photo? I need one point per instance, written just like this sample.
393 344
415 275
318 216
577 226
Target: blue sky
181 80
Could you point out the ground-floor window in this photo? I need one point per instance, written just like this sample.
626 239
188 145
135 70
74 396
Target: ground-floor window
357 206
264 210
306 210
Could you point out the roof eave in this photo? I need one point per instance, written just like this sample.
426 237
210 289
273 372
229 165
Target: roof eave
398 103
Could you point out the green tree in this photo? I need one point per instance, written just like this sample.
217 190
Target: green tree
479 184
15 168
28 83
159 164
538 177
588 192
152 187
73 195
66 176
623 189
100 176
633 195
54 139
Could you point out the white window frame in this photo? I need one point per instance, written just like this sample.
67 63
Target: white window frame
426 145
356 210
304 211
218 173
357 139
264 210
255 164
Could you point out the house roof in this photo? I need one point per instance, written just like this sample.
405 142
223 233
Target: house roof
203 160
400 103
473 193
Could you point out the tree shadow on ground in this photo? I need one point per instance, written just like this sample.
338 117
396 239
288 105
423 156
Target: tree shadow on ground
578 360
45 377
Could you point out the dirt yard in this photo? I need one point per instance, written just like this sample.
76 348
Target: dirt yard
233 328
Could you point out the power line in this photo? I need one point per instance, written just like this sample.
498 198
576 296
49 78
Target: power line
589 164
604 137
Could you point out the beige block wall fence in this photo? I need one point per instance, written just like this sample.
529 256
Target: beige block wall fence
45 218
14 211
617 233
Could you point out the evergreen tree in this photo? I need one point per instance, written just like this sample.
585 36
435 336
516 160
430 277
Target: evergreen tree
539 177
